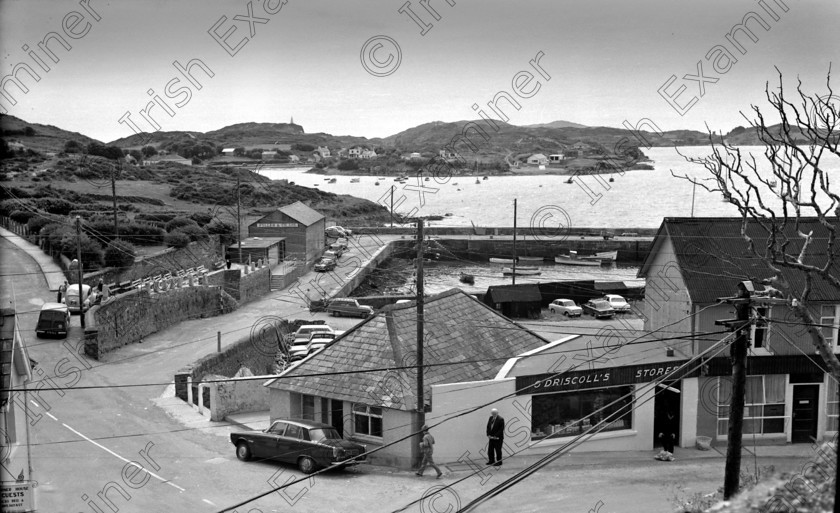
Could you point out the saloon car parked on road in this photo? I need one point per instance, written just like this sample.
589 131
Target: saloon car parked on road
348 307
310 445
619 304
566 307
324 265
599 308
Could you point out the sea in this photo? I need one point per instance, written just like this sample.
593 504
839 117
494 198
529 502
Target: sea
634 199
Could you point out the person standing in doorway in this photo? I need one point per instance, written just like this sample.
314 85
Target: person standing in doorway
496 437
427 449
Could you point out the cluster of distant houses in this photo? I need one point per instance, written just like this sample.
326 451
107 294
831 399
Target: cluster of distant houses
576 150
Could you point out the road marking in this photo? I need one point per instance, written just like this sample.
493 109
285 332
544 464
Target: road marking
208 502
123 459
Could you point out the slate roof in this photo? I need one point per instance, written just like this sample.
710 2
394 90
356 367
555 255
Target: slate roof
712 255
301 213
525 293
458 328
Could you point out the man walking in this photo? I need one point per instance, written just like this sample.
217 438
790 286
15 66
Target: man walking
426 449
496 437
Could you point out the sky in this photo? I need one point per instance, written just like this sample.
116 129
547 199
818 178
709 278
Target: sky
364 68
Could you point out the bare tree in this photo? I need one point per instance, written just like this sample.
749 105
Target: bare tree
781 191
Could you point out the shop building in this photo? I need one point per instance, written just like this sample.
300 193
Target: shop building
790 396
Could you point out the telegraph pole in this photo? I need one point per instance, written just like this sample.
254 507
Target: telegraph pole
79 259
392 205
114 198
421 405
238 221
514 243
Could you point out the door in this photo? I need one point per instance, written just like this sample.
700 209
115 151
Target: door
805 411
337 415
666 412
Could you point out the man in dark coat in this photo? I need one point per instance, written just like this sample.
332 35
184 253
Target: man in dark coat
496 437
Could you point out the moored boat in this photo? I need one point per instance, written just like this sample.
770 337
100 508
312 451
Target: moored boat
531 259
573 259
520 272
501 261
604 255
355 180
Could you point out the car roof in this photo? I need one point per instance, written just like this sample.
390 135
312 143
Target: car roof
309 424
75 286
54 306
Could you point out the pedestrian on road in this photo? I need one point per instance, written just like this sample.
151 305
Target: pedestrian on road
427 447
496 437
61 291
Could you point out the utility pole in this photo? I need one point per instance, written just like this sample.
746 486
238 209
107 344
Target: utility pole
238 222
514 243
79 259
114 171
693 190
392 205
421 405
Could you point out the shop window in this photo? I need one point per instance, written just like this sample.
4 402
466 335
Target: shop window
829 323
831 411
572 413
367 420
764 408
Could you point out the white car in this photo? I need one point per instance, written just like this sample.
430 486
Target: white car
619 304
71 298
566 307
319 341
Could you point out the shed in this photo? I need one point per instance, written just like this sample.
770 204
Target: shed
302 227
515 300
270 249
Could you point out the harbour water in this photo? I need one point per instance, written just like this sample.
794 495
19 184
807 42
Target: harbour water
635 199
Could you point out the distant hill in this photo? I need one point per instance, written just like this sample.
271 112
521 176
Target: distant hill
557 124
42 138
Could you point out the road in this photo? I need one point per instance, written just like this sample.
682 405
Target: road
85 439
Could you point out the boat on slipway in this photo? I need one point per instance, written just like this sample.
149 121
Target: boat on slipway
608 256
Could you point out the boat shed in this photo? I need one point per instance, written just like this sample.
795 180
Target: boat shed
302 227
515 300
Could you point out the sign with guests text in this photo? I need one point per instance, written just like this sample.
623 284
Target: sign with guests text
600 378
17 497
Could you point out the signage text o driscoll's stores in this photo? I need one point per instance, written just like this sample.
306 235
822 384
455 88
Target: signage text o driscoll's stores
577 380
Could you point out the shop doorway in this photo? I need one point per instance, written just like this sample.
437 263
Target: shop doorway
805 413
337 415
666 412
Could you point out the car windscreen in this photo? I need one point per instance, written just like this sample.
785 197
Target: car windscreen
317 434
53 315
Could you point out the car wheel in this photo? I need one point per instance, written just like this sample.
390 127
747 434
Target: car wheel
566 314
243 452
306 465
551 311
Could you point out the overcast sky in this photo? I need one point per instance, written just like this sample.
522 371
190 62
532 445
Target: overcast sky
606 60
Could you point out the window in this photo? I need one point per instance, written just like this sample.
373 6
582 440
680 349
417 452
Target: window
828 323
367 420
562 414
277 428
307 407
759 328
764 408
292 431
831 411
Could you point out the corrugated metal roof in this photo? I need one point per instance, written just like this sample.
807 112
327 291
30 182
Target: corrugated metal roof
713 255
458 329
525 293
301 213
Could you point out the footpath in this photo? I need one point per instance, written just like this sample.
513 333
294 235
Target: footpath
52 272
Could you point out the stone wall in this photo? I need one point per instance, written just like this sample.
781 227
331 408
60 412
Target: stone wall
239 395
129 317
242 287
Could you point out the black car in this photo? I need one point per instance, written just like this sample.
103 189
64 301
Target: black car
599 308
324 265
310 445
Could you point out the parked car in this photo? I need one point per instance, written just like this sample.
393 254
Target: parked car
324 265
566 307
333 255
54 319
619 304
599 308
71 298
338 231
310 445
338 249
318 341
343 242
304 332
348 306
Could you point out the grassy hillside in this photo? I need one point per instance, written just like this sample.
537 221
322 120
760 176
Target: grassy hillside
42 138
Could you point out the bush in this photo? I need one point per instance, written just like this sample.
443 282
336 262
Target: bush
35 224
194 232
142 234
202 218
179 222
54 206
225 231
176 240
120 254
22 216
92 254
348 165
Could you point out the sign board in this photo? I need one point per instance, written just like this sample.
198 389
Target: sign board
600 378
17 497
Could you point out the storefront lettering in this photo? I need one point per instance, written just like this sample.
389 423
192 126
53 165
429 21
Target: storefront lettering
651 373
277 225
573 380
